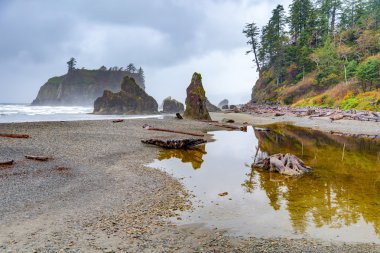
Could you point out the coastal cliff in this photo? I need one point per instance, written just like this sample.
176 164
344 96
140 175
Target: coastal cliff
82 86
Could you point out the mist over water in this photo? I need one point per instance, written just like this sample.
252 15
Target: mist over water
25 113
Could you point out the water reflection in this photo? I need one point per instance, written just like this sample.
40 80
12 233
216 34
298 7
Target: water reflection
193 156
338 200
343 188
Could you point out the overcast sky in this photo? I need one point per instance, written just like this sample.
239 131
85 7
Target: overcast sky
169 39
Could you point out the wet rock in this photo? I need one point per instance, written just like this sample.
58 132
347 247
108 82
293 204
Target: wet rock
211 107
196 100
225 107
225 120
172 106
130 100
287 164
223 103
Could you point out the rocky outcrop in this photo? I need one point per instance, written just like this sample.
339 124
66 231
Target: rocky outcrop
223 103
196 100
211 107
130 100
172 106
81 86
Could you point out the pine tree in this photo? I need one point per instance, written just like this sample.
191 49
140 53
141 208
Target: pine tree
71 64
131 68
141 76
251 31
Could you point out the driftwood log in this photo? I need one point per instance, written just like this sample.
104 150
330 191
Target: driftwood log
117 120
22 136
312 112
175 143
225 126
37 158
287 164
7 163
147 127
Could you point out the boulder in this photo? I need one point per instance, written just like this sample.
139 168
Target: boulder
232 107
196 100
211 107
225 107
172 106
130 100
223 103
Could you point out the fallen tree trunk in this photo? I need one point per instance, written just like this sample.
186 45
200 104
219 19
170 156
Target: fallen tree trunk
287 164
7 163
21 136
171 131
226 126
175 143
37 158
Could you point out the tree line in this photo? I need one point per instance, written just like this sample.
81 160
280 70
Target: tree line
130 68
338 40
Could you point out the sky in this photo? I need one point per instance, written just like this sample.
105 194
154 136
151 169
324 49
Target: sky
169 39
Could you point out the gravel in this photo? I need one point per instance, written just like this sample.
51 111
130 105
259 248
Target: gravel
97 195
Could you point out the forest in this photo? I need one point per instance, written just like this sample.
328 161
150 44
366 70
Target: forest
318 53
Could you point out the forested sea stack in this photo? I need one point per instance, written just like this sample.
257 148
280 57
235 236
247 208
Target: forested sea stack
130 100
196 100
83 86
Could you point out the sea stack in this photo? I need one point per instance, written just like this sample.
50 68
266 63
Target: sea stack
211 107
196 100
132 99
172 106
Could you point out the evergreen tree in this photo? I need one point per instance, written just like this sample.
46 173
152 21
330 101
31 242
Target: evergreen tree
141 76
71 64
131 68
276 39
251 31
300 18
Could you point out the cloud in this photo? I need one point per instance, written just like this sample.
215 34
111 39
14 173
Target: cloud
170 39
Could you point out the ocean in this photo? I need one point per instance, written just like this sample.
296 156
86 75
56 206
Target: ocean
12 113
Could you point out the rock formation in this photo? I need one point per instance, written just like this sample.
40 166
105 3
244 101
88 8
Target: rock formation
130 100
196 100
222 103
211 107
172 106
81 86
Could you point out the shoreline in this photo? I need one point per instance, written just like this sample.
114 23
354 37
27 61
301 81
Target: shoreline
107 199
322 124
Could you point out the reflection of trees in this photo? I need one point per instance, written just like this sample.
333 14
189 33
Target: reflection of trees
337 192
193 156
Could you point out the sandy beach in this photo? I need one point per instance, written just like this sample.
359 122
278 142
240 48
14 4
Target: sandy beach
97 195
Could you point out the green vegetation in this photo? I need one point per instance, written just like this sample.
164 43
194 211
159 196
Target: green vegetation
324 53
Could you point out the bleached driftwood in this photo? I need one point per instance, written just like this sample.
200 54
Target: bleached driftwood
171 131
287 164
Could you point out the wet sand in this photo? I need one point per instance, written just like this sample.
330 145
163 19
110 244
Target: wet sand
97 195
